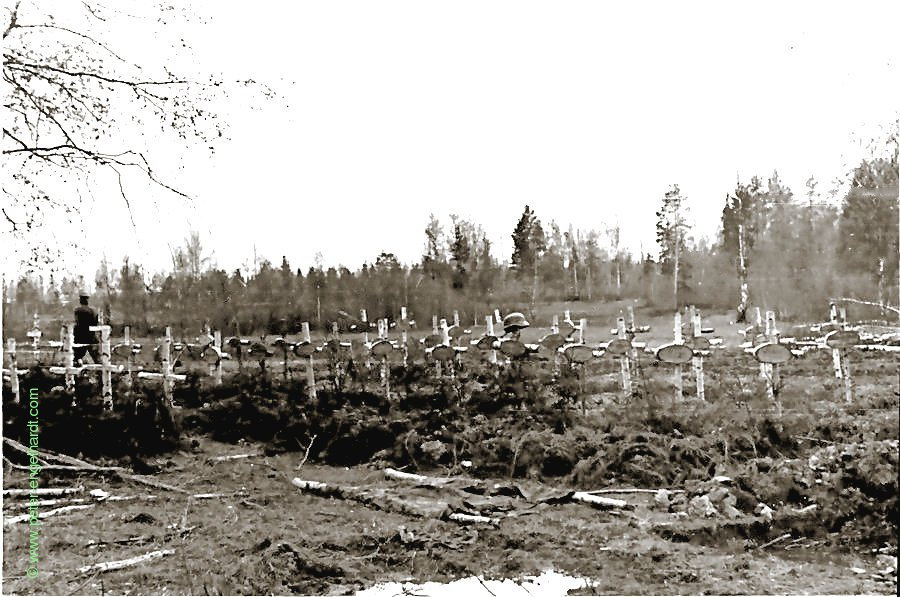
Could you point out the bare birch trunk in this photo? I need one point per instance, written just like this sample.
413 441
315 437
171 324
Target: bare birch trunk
744 303
677 259
618 278
589 281
575 271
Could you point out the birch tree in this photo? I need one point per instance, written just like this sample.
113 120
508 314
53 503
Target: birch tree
671 236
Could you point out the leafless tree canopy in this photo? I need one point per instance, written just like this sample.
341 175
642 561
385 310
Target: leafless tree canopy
80 109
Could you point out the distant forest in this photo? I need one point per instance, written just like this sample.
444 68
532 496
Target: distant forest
776 248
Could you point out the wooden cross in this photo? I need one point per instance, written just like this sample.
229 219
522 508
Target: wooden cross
285 347
105 366
68 369
435 329
554 329
128 356
404 335
835 353
839 341
385 367
35 333
365 320
310 370
13 370
489 331
697 362
445 340
582 330
166 374
624 360
679 389
676 353
217 346
771 354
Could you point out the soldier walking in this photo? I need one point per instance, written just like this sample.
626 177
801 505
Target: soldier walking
85 317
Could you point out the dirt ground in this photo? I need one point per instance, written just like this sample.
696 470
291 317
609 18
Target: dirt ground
269 537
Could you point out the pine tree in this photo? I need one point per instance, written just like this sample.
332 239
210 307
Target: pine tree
461 253
523 256
671 236
743 215
868 223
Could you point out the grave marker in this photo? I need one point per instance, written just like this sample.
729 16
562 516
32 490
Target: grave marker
487 340
128 347
676 353
105 367
404 335
35 334
698 358
839 341
305 348
835 353
553 342
217 349
13 370
68 369
771 354
381 348
166 375
621 347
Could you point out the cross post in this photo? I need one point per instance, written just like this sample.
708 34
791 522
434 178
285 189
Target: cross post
679 388
624 364
13 369
698 358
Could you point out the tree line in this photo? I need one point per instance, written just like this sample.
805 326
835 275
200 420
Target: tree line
775 248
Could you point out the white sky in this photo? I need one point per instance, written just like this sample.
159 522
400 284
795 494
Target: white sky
586 111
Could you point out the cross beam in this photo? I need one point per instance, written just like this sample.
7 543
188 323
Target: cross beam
166 374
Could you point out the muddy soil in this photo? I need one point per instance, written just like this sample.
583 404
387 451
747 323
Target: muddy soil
265 536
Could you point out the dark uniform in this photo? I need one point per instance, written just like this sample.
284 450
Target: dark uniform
85 317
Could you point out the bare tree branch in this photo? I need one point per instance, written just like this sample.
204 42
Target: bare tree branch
67 30
13 15
98 76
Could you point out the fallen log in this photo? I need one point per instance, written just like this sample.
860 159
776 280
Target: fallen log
151 483
48 454
382 501
140 538
314 486
114 470
97 498
68 467
47 514
212 496
391 473
233 457
44 491
460 517
597 501
775 540
119 564
632 490
44 503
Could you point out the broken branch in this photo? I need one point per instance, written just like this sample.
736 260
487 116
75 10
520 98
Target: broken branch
118 564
